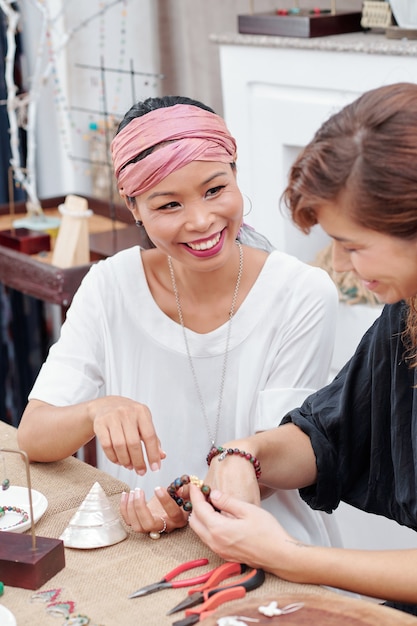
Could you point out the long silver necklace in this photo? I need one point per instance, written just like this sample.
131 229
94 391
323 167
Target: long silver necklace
212 435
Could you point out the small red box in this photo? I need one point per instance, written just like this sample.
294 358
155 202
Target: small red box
25 240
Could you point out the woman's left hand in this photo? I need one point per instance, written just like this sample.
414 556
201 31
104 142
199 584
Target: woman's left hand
161 513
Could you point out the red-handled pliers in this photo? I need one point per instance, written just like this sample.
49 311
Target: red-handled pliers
165 582
251 580
209 606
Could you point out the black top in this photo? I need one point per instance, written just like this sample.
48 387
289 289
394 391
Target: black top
363 426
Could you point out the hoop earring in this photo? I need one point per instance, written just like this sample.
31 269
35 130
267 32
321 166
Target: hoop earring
249 210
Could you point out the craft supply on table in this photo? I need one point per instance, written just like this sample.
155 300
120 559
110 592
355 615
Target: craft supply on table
199 595
6 617
167 581
336 610
95 524
176 485
14 508
194 615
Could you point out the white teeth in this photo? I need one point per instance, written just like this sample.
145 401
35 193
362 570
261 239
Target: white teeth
205 245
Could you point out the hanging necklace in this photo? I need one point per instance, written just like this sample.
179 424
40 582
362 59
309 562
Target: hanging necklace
212 435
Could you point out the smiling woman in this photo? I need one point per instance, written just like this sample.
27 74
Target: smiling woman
353 441
200 335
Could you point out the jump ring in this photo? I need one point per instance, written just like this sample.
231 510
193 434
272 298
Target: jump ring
157 534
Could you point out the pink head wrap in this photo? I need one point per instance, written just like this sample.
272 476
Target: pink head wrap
194 135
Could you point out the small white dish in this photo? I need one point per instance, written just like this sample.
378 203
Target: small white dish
6 617
19 497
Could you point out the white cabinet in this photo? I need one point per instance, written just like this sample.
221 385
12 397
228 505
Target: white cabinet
276 93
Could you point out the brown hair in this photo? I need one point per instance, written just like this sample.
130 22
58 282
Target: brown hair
368 150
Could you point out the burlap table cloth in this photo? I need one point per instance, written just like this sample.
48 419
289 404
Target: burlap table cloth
99 580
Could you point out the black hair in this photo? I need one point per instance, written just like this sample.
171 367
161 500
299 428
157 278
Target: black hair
151 104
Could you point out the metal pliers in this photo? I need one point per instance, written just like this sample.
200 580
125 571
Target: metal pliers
207 608
199 595
165 582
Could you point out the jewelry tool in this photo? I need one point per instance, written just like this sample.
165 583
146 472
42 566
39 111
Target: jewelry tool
209 606
252 580
165 582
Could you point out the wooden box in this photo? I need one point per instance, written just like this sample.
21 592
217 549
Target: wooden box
25 240
304 24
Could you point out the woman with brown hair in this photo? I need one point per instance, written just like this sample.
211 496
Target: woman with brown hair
356 439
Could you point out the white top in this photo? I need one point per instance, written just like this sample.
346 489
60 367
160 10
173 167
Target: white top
116 341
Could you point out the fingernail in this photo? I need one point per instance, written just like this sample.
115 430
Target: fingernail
125 496
215 494
155 467
159 490
141 472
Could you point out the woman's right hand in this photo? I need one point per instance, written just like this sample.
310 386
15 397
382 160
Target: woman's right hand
161 513
125 431
239 531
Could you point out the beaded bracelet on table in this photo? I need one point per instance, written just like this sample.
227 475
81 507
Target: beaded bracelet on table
185 480
5 509
224 452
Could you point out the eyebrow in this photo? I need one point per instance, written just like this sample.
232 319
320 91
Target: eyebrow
158 194
340 239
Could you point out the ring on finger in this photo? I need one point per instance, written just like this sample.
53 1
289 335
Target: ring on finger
157 534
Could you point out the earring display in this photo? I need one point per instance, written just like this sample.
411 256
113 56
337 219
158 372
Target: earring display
26 561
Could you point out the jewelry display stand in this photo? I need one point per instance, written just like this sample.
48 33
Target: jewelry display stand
298 22
28 561
72 246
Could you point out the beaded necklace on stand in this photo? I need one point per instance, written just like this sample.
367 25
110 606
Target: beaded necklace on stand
212 434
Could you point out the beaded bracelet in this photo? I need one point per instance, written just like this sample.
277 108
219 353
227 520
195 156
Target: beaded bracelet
223 452
185 480
5 509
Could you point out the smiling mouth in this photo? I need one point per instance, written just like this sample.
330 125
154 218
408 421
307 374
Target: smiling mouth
205 245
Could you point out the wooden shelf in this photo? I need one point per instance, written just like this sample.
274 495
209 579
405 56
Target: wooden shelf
35 275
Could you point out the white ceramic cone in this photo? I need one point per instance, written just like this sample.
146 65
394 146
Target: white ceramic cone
95 524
